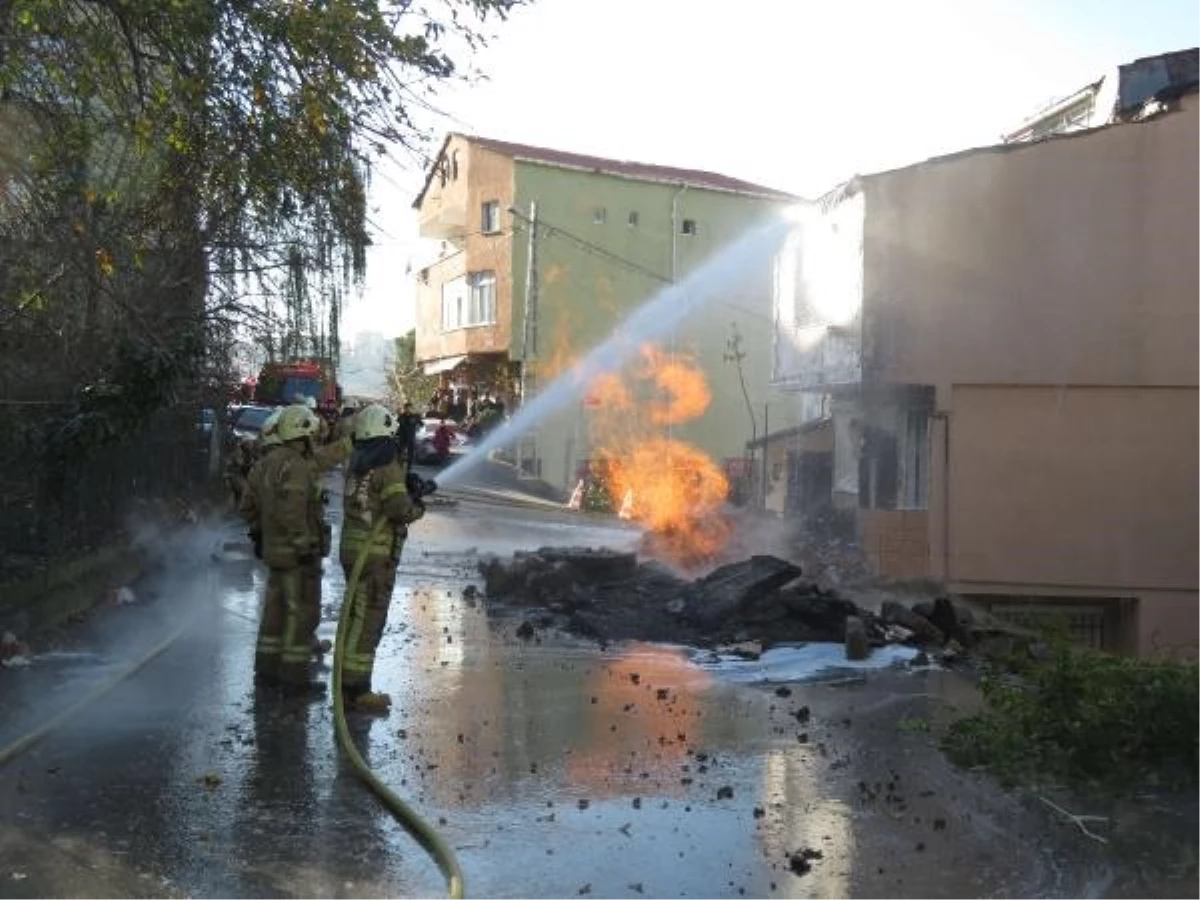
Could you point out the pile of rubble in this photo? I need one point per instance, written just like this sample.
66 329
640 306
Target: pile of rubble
610 596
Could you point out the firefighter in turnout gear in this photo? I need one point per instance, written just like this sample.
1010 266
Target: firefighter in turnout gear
375 492
283 506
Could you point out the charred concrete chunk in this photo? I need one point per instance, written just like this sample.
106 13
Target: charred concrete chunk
951 619
589 564
823 613
857 645
896 613
727 590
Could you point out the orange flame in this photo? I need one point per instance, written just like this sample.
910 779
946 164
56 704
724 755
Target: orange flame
675 489
687 392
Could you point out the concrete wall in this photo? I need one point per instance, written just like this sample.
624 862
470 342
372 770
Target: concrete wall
1070 261
1078 487
456 209
584 296
1049 293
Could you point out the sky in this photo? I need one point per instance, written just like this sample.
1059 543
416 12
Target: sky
793 94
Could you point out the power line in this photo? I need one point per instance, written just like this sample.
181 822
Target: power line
594 249
603 253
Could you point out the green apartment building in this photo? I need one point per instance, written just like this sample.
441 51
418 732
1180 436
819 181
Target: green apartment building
609 236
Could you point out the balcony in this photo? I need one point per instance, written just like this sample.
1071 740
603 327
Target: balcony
445 222
817 357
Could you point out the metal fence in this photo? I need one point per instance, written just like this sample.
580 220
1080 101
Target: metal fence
1095 623
60 501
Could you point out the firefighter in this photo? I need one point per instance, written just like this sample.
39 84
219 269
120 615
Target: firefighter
374 491
238 463
268 437
283 507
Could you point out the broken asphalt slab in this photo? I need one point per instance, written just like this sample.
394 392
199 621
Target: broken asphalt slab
762 601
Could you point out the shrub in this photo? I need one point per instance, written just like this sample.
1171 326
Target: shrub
1084 715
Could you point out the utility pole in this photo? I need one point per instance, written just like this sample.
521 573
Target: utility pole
529 323
766 451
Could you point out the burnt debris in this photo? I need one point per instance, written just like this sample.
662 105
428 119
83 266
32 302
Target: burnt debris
609 595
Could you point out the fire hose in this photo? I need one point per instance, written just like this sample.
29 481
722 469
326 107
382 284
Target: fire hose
420 830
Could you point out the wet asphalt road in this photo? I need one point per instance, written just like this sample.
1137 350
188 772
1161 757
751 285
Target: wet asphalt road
554 769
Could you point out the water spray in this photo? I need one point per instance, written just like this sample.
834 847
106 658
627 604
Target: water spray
654 318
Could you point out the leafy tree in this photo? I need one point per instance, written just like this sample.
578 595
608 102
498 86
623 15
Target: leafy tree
191 168
407 381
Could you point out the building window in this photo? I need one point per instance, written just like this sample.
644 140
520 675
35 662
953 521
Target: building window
490 219
482 307
688 226
915 460
469 301
633 218
599 216
454 303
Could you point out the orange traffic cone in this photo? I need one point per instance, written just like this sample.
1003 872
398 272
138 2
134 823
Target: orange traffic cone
576 501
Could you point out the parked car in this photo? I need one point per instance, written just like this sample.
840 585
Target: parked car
247 421
426 453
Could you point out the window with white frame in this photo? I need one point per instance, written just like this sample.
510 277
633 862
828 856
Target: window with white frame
454 303
469 301
481 309
490 219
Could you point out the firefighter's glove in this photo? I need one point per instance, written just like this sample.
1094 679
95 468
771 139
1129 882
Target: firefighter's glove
256 539
414 483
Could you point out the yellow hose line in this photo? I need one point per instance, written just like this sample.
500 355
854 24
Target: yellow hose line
23 743
424 835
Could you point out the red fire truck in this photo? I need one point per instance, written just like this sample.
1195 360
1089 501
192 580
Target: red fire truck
280 384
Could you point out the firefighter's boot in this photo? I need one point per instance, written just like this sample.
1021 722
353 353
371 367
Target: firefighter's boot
372 703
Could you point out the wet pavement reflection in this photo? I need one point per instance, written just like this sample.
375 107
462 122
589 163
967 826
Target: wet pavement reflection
553 768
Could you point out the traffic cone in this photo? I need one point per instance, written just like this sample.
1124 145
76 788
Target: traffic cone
576 501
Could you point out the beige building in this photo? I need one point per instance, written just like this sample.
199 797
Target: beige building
1005 341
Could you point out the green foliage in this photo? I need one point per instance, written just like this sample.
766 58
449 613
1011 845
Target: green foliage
597 497
199 167
1085 715
407 381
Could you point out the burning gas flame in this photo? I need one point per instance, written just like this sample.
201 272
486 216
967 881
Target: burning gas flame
672 488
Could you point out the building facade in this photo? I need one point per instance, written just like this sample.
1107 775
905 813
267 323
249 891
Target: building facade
1121 95
1005 344
610 236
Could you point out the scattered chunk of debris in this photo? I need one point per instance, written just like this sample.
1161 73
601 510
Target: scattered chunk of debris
800 862
725 793
210 780
857 645
783 692
525 630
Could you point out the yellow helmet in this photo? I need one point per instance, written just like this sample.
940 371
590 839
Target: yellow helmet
372 422
269 435
296 422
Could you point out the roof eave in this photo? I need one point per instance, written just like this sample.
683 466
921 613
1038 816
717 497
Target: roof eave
766 194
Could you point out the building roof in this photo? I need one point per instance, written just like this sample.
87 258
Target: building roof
810 427
694 178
